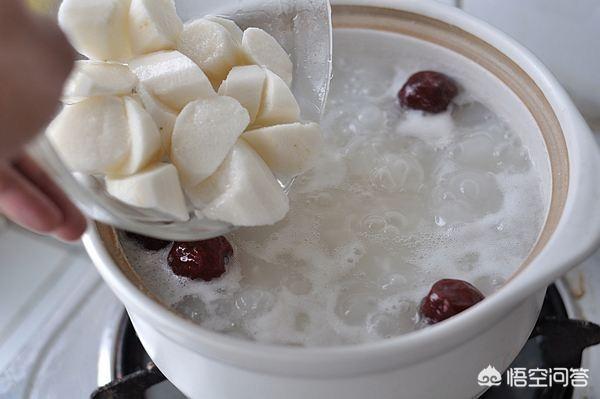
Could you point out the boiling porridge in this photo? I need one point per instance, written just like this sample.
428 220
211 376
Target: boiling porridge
405 193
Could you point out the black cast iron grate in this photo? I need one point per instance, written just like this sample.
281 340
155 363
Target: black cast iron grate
556 341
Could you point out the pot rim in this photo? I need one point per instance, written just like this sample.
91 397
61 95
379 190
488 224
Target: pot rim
422 344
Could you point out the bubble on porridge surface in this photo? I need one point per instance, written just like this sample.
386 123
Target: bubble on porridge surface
393 282
192 307
298 284
363 156
398 173
373 80
353 305
336 232
352 259
370 117
372 224
424 152
466 195
512 156
472 114
476 150
329 171
467 261
253 302
393 316
489 284
341 126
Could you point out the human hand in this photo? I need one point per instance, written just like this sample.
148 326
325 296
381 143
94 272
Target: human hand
36 61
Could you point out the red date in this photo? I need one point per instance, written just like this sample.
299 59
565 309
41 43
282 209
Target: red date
203 260
428 91
447 298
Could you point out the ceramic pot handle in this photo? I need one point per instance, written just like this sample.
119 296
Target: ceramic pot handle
578 233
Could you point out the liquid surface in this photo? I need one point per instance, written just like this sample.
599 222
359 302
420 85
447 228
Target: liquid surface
398 200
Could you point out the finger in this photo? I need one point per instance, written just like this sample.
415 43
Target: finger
24 204
73 223
12 14
28 98
60 55
73 230
58 58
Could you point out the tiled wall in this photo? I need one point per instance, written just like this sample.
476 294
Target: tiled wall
564 34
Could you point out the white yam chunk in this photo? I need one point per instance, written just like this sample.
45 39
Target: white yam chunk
96 78
97 29
243 191
278 103
172 77
153 25
146 143
245 84
262 49
92 136
289 149
203 135
210 46
156 187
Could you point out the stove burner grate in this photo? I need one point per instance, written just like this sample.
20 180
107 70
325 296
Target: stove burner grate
556 341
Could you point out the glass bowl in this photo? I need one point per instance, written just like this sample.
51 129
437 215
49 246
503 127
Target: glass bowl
304 30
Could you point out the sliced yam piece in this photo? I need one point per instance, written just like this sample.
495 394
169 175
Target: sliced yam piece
262 49
210 46
156 187
243 191
288 150
146 143
92 136
233 29
278 103
97 29
172 77
163 116
96 78
203 135
245 84
153 25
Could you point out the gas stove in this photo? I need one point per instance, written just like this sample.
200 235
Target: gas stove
89 343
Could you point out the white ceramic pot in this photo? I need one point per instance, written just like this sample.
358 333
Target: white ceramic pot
442 360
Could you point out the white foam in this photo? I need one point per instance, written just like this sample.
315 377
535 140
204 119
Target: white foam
397 201
437 129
